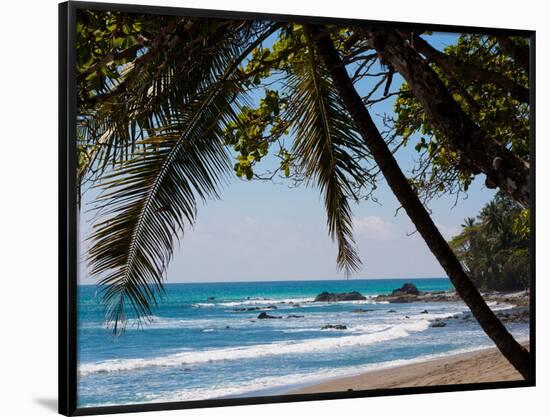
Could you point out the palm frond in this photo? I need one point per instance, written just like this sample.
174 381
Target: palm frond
146 203
324 139
147 200
149 91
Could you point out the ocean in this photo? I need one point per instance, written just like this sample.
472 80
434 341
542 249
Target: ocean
200 344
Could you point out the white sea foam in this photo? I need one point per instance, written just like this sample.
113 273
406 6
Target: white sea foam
276 385
158 322
302 301
254 302
247 352
300 330
145 321
496 306
155 322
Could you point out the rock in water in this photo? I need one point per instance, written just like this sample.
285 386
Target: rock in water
438 324
324 296
334 326
339 296
408 288
264 315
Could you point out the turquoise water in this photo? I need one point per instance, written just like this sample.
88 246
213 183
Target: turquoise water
197 348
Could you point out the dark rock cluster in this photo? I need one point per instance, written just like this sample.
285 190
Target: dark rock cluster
255 308
407 289
264 315
334 327
339 296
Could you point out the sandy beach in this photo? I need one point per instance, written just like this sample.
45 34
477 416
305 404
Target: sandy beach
481 366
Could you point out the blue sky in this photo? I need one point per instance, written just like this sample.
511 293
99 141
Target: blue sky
269 231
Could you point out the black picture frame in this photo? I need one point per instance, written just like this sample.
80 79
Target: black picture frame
68 216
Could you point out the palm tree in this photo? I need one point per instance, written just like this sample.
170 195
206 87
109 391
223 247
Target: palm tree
491 217
161 127
468 222
492 249
418 214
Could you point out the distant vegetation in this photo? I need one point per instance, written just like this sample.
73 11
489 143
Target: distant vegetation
494 247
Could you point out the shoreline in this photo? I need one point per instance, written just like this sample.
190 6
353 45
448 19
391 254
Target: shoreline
425 365
485 365
482 365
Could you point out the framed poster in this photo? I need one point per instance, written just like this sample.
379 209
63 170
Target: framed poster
266 208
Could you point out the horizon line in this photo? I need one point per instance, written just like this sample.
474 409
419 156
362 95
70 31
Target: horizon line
289 280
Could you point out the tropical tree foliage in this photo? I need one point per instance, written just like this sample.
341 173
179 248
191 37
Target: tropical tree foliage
481 75
495 247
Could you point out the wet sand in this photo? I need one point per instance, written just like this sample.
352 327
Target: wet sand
481 366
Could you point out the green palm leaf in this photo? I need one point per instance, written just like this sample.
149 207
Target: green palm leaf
149 91
324 140
147 200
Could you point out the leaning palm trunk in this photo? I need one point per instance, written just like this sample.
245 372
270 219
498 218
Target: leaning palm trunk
510 348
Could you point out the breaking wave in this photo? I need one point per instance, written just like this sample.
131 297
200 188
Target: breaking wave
391 332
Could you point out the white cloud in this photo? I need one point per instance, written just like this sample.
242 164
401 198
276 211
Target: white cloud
374 228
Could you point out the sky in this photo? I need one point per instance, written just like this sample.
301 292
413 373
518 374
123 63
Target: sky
260 231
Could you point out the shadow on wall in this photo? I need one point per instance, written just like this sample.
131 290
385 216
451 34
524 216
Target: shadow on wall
48 403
